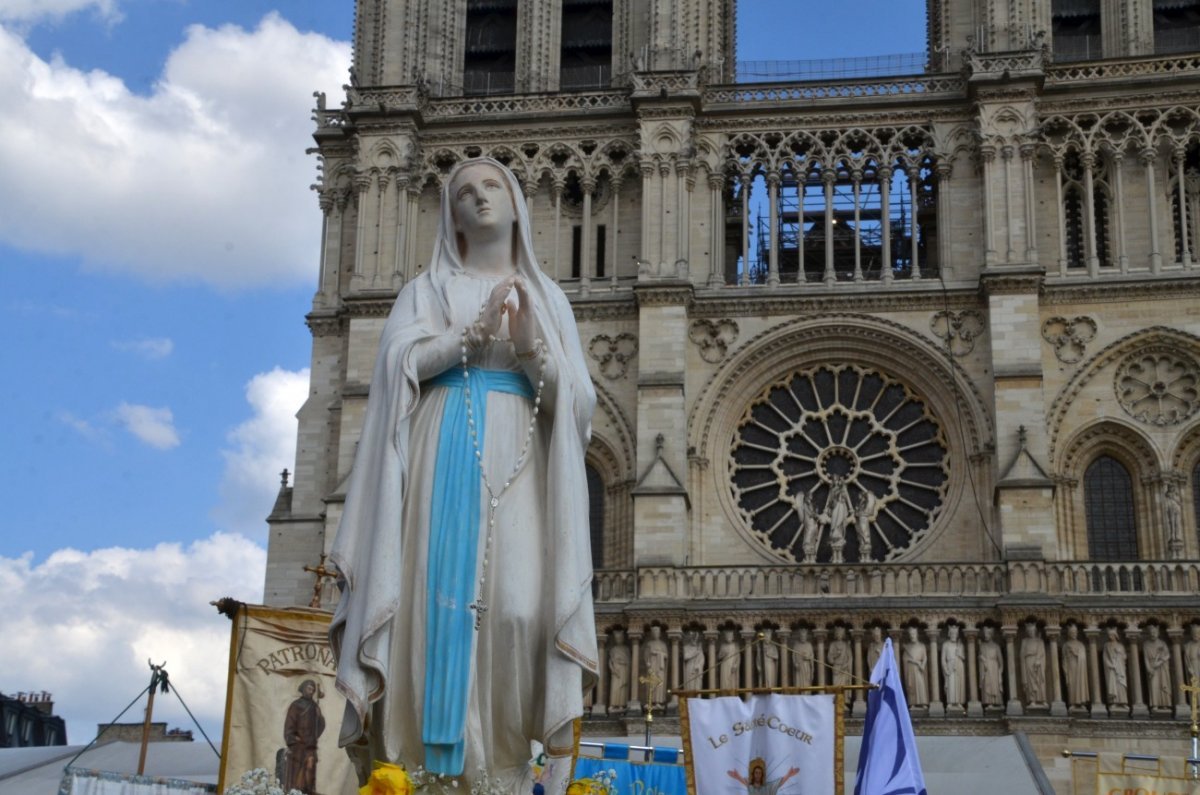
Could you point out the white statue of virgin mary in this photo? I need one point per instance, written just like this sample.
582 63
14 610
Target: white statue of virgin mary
465 626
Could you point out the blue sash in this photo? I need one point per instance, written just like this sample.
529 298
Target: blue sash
450 568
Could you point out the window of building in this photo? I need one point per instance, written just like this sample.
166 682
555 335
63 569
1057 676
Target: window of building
586 62
1184 223
490 60
576 250
595 485
1176 26
1108 502
1196 497
1075 30
1075 209
601 249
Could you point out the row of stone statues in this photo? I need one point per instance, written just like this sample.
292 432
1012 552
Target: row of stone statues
954 667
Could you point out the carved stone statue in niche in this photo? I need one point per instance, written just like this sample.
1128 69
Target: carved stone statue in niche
1075 665
1173 520
839 657
862 524
874 648
1116 683
1157 657
693 661
803 658
618 671
810 524
916 677
767 659
654 654
838 509
1191 654
1033 666
991 669
954 670
730 667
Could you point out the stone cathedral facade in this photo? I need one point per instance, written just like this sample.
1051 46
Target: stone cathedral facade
913 356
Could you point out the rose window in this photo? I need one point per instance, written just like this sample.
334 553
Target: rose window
838 463
1159 388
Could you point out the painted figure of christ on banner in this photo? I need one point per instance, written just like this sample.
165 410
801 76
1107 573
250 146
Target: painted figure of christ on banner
465 625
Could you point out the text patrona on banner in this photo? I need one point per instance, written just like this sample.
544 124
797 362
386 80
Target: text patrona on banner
766 745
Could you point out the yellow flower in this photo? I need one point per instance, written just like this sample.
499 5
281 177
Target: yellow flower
585 786
387 779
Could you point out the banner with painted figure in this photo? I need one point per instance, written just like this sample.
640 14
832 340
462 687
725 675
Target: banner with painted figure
1168 775
767 745
282 711
634 778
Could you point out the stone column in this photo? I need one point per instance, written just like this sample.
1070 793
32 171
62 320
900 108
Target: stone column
945 210
1098 710
1057 706
1010 230
859 696
585 238
635 673
936 708
1148 156
974 705
710 659
600 702
1138 708
856 175
822 677
402 231
748 649
716 218
1185 256
362 187
745 182
1063 264
987 153
913 231
664 210
673 682
381 182
828 178
885 222
1175 634
773 201
1118 164
1028 154
558 192
1090 247
784 637
616 220
1010 663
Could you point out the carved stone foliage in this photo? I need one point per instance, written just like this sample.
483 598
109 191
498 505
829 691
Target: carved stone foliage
1069 336
714 337
613 354
1159 385
838 463
958 329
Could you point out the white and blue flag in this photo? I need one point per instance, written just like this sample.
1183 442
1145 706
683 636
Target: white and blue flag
888 762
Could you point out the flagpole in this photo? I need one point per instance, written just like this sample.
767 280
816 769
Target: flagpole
839 741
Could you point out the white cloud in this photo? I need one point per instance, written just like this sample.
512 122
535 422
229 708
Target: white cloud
81 426
150 348
88 621
30 11
204 180
154 426
259 449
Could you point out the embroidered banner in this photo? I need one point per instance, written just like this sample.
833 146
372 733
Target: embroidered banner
631 778
282 712
766 745
1116 775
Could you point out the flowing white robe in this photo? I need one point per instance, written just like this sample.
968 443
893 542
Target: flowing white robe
536 649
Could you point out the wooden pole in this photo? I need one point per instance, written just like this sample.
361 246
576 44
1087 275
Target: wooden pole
154 681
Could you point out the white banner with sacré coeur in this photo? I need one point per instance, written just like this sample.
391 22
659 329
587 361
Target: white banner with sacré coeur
766 745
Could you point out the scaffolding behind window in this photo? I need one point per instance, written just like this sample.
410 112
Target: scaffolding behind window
586 62
1075 30
1176 26
490 52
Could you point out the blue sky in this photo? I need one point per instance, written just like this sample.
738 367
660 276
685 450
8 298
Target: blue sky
158 252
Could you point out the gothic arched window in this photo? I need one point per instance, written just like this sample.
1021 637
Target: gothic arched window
1196 497
595 484
1108 501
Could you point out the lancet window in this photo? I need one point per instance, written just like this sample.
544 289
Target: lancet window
595 484
587 43
1196 497
490 52
1087 203
1075 27
1108 502
1176 26
1185 202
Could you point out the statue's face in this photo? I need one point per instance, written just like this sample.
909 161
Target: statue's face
802 633
1112 633
912 633
1152 630
1072 631
952 631
482 204
1195 631
876 633
1031 630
